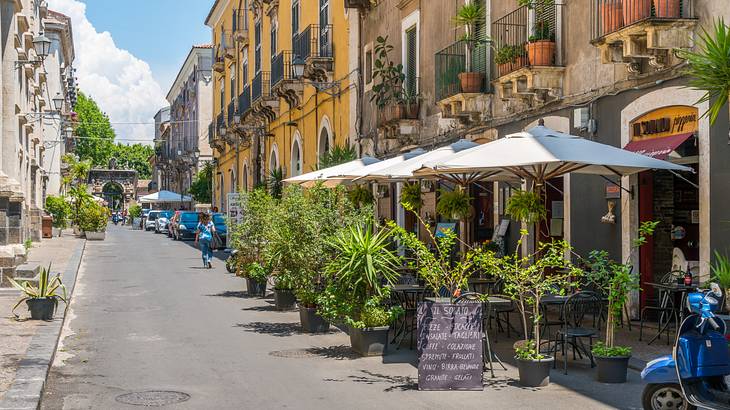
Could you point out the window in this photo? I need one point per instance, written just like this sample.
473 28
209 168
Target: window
411 60
274 31
294 20
368 64
222 90
244 66
296 159
257 45
274 160
232 70
324 142
324 17
245 177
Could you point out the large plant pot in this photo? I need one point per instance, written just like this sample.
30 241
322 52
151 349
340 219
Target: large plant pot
471 82
611 14
504 69
410 111
255 288
541 52
635 10
95 236
370 341
284 299
535 373
612 369
667 8
42 309
55 231
136 222
311 321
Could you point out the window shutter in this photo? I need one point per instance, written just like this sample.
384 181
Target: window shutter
411 60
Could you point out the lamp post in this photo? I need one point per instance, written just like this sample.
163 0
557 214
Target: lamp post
42 45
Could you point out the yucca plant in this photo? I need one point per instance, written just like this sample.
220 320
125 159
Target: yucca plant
468 16
709 67
339 154
47 288
721 274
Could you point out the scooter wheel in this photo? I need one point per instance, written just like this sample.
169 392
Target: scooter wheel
664 396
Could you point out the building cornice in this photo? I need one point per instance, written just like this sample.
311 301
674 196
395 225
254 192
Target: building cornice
186 70
216 12
60 23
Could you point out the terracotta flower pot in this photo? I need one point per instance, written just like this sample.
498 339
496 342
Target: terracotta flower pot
611 13
635 10
471 82
541 52
667 8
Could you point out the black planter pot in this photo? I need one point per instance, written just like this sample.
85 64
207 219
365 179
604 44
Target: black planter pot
612 369
535 373
255 288
284 299
42 309
371 341
311 321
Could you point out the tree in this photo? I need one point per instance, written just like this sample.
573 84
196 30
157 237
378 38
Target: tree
202 187
134 156
95 140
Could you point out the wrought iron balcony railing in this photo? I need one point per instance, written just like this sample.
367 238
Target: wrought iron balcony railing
528 36
451 61
231 111
244 100
220 123
260 86
211 132
315 41
609 16
281 68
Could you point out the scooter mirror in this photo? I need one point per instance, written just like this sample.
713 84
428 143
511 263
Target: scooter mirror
715 288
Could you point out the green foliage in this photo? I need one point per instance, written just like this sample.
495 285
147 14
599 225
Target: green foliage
249 236
600 349
93 217
526 206
275 183
507 54
454 204
709 67
388 77
646 229
361 195
95 134
135 211
721 270
526 283
78 171
411 194
338 154
79 198
528 351
47 288
133 156
257 272
59 209
28 244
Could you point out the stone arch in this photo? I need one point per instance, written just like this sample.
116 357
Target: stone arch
325 137
274 158
297 160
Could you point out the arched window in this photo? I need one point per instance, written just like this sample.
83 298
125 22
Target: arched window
232 176
296 158
324 142
274 159
245 177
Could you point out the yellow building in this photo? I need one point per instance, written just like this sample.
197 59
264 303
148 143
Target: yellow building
283 85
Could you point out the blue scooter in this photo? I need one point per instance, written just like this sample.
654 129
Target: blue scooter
694 375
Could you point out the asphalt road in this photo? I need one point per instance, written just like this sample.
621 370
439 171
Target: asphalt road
147 317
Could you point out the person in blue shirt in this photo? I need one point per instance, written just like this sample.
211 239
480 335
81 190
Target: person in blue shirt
204 237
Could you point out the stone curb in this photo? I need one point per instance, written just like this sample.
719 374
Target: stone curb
27 389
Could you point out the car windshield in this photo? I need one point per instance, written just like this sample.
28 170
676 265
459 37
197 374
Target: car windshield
166 214
218 219
153 215
189 217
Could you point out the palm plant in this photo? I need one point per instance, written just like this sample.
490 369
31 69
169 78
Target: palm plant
468 16
46 289
709 67
339 154
275 183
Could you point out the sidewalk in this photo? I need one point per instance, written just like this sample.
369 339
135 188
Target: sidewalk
28 346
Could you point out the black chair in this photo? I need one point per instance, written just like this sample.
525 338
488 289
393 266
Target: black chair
664 307
581 315
407 324
487 355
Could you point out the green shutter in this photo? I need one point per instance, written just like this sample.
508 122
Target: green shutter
411 61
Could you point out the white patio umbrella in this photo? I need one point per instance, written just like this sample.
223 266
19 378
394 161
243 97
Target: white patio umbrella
322 175
359 173
403 171
540 154
164 196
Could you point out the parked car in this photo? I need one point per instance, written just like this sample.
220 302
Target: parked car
149 222
219 220
186 225
173 224
162 222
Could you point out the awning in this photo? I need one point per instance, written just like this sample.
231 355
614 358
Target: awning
658 148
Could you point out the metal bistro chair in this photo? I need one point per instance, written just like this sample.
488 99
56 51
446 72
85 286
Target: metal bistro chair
501 314
664 307
407 325
581 317
487 355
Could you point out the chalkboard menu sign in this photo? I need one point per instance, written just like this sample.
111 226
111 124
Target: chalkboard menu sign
450 346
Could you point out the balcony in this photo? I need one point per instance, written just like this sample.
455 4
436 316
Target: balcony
244 101
400 119
263 104
228 45
460 92
358 4
632 31
314 45
240 27
529 58
283 82
219 64
231 113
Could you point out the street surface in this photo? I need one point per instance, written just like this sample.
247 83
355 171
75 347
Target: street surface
146 316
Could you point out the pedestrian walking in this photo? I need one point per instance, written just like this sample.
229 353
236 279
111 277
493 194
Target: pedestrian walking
204 237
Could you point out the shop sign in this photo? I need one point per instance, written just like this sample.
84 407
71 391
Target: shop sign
664 122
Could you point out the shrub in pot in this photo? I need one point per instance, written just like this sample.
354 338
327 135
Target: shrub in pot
257 277
454 204
135 213
721 274
541 44
60 210
42 300
284 297
93 219
468 16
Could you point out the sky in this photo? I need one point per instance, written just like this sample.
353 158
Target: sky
129 52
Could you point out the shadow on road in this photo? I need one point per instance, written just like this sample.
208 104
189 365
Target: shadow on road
273 329
232 294
400 383
340 352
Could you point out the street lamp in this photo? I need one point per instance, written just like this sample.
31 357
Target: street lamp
298 66
58 101
42 45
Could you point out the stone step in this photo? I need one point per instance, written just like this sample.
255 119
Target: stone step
28 270
9 292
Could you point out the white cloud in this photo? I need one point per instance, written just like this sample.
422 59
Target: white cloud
121 83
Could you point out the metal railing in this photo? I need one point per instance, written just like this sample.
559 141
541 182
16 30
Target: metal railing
281 68
220 123
528 36
451 61
315 41
244 100
211 132
609 16
240 22
231 111
260 86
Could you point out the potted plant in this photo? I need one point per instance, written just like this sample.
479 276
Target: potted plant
93 220
541 44
135 212
504 59
526 206
358 275
410 194
392 99
611 14
454 204
42 300
361 195
635 10
284 298
59 209
526 282
721 274
256 276
615 281
468 16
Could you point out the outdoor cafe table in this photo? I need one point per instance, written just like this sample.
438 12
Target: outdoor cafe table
672 289
407 296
